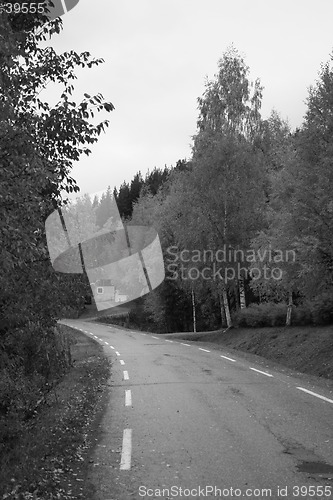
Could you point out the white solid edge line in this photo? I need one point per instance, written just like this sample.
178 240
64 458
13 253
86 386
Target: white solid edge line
128 398
118 353
121 361
168 340
229 359
263 373
201 349
188 345
126 377
315 394
125 460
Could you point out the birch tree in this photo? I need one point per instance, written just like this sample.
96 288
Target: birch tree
227 165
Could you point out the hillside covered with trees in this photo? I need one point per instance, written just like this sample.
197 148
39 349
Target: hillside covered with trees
246 224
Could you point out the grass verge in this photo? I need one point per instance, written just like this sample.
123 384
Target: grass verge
49 460
307 349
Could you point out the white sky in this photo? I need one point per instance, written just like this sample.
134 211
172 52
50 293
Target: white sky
157 54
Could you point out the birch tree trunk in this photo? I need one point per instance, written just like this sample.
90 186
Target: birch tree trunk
224 292
223 317
289 309
225 221
242 300
193 309
226 307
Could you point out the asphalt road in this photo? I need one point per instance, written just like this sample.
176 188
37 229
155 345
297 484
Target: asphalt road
189 421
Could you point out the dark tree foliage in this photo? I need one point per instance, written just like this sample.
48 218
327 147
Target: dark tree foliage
182 166
124 201
156 178
129 193
135 188
38 145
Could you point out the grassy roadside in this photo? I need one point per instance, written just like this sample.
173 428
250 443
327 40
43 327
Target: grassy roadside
307 349
50 458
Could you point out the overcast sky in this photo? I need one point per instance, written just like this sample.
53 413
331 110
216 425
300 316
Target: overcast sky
157 54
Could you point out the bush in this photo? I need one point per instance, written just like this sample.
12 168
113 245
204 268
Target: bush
322 309
260 315
318 312
301 315
19 396
118 319
32 361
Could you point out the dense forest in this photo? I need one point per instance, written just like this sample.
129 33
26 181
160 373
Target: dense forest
246 223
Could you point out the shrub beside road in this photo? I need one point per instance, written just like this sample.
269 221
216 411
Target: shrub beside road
46 459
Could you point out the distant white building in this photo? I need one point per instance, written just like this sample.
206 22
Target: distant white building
120 297
105 291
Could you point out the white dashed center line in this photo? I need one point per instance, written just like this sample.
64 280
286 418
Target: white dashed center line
128 398
125 461
315 394
229 359
263 373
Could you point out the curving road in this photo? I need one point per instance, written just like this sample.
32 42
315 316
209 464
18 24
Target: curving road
186 420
